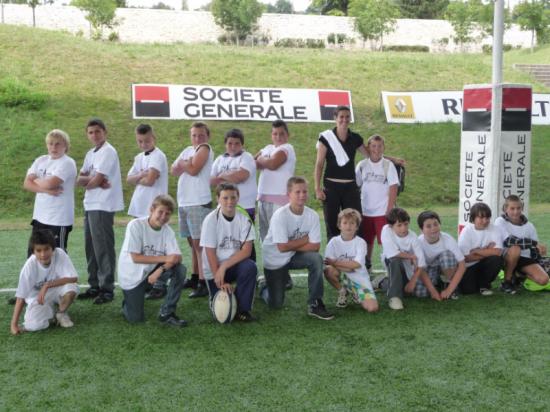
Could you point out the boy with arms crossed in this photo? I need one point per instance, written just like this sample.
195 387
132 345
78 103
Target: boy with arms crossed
346 253
149 174
150 253
100 176
293 242
405 261
444 259
192 167
378 180
226 239
47 278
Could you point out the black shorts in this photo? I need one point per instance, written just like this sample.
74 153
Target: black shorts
525 261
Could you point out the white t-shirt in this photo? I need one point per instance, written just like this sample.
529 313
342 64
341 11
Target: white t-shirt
33 275
350 250
392 245
433 250
195 190
105 161
144 195
526 231
284 227
470 238
225 236
247 189
142 239
375 187
55 210
273 182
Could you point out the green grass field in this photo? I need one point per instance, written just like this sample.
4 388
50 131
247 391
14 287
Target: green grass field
472 354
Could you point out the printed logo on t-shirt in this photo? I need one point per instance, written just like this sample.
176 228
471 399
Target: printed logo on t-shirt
297 234
371 177
150 250
229 243
346 257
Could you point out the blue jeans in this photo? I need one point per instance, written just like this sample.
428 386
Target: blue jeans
132 305
276 278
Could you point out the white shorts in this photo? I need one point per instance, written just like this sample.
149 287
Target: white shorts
37 317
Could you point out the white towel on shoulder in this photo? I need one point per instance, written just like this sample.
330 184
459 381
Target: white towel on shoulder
339 152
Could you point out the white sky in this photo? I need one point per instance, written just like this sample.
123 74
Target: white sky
299 5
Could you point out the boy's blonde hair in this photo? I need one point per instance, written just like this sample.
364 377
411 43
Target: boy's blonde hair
350 214
511 199
376 138
164 200
58 134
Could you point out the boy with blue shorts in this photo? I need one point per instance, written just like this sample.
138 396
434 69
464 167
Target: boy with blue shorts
193 167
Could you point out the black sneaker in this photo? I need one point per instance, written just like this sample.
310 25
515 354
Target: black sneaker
318 310
91 293
368 264
245 317
200 292
104 297
508 287
289 283
191 283
172 320
155 293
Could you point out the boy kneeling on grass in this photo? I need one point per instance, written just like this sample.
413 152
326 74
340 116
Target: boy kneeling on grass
47 278
445 261
405 261
150 252
346 253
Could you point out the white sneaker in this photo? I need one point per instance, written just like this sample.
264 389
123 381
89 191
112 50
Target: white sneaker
342 301
377 281
485 292
396 304
64 320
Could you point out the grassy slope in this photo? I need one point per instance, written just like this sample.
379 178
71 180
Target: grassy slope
84 79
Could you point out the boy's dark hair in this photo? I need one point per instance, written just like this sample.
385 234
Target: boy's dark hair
201 125
226 186
42 237
479 210
397 215
280 123
425 215
510 199
295 180
96 122
234 133
341 109
144 129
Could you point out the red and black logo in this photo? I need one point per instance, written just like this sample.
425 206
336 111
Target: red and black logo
328 101
152 101
476 110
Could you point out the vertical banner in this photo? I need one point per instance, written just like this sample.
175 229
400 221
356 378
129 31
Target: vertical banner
477 182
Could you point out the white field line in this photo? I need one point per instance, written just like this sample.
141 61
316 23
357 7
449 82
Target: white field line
293 275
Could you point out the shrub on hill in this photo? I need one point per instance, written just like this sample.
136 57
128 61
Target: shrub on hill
14 93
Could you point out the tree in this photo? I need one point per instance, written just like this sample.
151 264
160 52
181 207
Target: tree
184 5
483 15
33 4
534 17
422 9
238 17
281 7
100 13
374 19
461 17
330 7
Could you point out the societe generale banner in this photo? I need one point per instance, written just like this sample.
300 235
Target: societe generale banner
441 106
192 102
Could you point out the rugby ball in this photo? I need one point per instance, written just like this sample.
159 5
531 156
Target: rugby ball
224 306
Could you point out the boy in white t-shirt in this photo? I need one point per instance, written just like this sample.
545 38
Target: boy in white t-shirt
150 252
444 260
52 177
192 167
47 278
404 260
481 244
149 174
521 247
378 180
226 239
100 176
345 254
293 242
